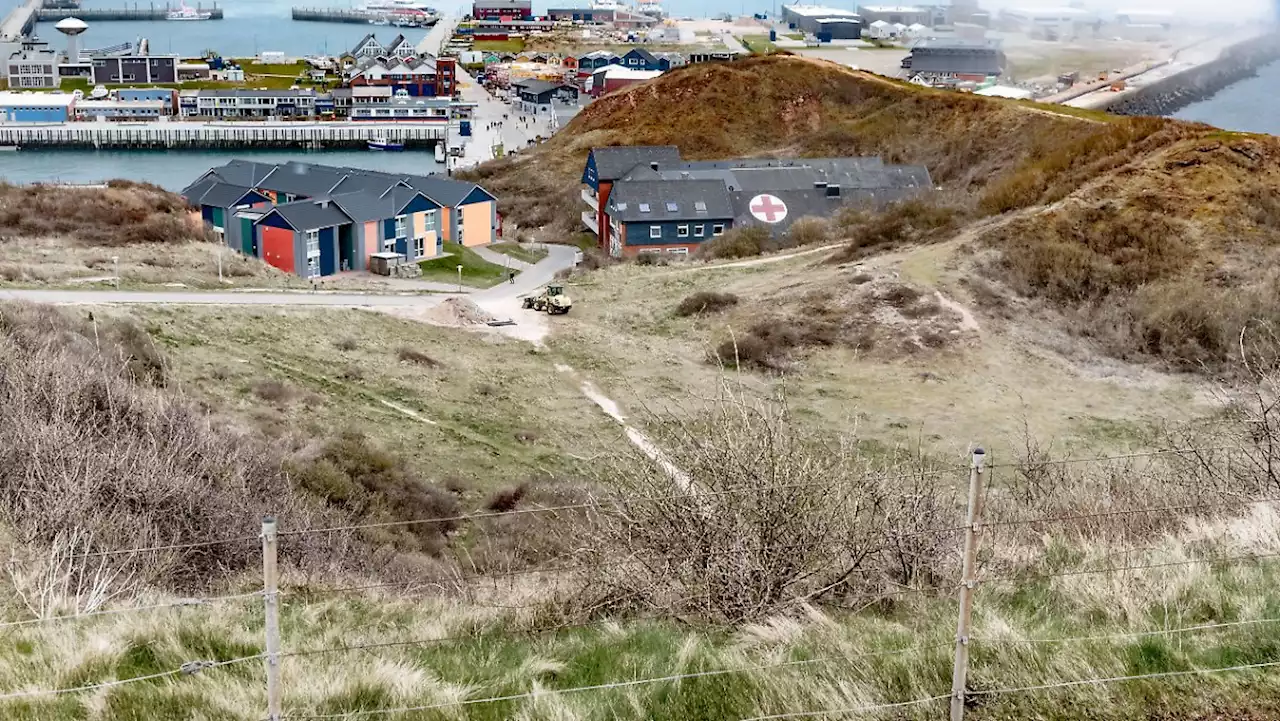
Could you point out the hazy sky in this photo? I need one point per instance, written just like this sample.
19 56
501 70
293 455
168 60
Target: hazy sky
1209 12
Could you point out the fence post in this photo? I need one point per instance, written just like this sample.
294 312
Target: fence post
960 671
271 600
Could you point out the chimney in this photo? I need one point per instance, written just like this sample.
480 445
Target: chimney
819 183
833 191
653 166
322 203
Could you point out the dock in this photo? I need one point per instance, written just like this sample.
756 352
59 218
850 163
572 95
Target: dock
361 17
231 134
137 12
20 21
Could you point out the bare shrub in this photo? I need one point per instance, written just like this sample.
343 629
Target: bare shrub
756 513
506 500
351 374
68 579
652 259
907 221
273 391
808 231
740 242
417 357
346 344
706 301
120 214
526 436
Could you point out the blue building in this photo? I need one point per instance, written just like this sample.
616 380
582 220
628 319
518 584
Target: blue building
35 107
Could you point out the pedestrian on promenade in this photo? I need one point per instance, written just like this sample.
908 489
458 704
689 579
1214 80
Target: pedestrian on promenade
511 277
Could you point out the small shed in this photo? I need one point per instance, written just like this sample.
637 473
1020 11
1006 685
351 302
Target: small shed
384 263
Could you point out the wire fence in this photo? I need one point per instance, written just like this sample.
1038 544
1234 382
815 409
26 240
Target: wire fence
969 532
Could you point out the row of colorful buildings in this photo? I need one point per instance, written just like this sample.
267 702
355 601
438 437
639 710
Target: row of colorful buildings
318 220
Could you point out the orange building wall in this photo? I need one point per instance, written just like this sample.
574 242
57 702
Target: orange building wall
277 247
428 236
477 223
371 244
446 224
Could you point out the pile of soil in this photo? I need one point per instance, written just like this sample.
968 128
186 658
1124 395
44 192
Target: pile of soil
458 312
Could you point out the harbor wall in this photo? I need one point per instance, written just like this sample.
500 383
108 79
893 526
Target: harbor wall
231 135
344 15
1175 92
152 12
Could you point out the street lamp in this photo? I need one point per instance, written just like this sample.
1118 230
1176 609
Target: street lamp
115 262
459 278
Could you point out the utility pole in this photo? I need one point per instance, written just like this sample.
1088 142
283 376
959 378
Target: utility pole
459 278
271 599
115 263
218 252
960 672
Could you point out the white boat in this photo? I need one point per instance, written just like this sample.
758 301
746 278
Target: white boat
439 152
380 21
185 13
393 5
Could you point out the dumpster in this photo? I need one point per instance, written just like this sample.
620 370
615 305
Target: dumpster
464 128
773 36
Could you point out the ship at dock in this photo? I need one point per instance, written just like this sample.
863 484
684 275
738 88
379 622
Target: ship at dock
182 12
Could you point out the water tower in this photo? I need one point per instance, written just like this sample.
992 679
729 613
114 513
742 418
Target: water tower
72 27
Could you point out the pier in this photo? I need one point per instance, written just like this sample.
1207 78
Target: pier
20 21
363 17
243 134
146 12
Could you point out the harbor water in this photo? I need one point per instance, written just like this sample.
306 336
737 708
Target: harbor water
1251 105
174 170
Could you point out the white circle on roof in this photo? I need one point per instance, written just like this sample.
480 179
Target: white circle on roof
768 208
71 25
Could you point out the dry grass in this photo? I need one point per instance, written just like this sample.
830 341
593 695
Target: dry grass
706 302
125 213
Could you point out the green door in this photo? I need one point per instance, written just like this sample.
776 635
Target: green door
248 243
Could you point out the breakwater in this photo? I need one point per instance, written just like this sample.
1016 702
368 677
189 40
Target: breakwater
363 17
1171 94
152 12
178 134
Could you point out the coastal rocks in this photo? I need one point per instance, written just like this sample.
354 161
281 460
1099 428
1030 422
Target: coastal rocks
1174 93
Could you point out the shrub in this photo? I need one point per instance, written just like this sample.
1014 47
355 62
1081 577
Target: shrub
907 221
506 500
705 301
273 391
346 344
652 259
808 231
410 355
740 242
526 436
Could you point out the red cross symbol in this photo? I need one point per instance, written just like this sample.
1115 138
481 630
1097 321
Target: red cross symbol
768 208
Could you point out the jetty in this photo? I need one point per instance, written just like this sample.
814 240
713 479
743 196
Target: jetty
20 21
137 12
362 17
230 134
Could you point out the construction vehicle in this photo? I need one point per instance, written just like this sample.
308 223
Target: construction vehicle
553 300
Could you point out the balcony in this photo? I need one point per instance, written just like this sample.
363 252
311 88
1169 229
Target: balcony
590 197
589 220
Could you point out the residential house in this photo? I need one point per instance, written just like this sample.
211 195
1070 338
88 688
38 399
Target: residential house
33 66
716 56
505 10
117 69
368 47
940 61
246 103
316 220
537 96
419 77
615 77
647 199
593 61
118 109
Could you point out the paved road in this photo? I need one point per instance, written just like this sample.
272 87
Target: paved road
438 35
560 257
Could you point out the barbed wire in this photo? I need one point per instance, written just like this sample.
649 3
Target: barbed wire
1140 567
183 603
617 684
1126 634
1120 679
1121 457
149 549
1128 512
186 669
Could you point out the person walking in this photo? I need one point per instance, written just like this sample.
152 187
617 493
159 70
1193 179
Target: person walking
511 277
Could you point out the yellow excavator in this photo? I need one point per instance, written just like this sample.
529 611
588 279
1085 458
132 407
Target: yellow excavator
552 300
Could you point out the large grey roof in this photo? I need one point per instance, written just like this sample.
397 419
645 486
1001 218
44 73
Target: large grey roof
613 162
222 195
303 179
312 214
669 201
538 87
362 207
194 192
244 172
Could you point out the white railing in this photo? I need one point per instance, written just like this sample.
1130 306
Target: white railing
589 220
590 198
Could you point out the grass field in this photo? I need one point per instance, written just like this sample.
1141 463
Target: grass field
759 44
498 46
519 252
252 67
476 271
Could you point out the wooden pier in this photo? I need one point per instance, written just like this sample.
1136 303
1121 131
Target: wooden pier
242 134
137 12
361 17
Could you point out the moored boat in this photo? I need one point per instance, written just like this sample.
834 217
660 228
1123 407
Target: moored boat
384 144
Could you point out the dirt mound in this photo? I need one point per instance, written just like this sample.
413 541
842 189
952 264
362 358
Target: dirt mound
784 105
458 312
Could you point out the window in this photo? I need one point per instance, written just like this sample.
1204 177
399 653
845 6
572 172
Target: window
400 227
313 267
682 231
430 220
717 229
655 231
418 247
644 207
678 251
313 243
388 245
700 206
698 230
672 208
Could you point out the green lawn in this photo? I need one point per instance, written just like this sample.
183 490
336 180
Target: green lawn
255 68
519 252
498 46
794 36
758 44
476 271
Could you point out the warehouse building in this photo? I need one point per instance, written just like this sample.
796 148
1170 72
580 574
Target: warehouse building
646 199
316 220
825 22
117 69
945 61
502 10
36 107
896 14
